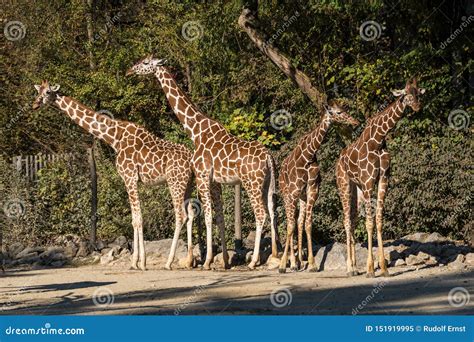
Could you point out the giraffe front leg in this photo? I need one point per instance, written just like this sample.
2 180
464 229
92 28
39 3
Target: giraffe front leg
189 225
290 219
382 188
203 183
179 213
254 191
216 194
369 225
301 218
312 195
343 184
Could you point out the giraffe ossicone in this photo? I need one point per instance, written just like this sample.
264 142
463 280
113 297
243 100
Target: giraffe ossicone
140 156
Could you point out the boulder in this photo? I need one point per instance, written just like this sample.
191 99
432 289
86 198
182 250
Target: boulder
413 260
399 262
84 249
99 245
234 258
273 263
469 259
14 249
120 241
332 257
29 251
70 250
423 256
161 248
109 256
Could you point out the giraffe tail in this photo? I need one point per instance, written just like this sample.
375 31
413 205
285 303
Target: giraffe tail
271 194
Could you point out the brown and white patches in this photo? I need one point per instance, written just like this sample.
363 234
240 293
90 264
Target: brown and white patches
220 157
140 155
299 184
365 164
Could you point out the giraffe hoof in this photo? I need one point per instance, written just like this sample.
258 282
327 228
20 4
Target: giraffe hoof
352 273
385 274
252 265
293 269
313 269
370 275
282 270
206 267
168 267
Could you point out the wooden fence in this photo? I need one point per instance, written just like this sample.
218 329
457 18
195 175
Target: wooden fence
30 165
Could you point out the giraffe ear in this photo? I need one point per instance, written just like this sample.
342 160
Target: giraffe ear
55 87
37 87
399 92
161 61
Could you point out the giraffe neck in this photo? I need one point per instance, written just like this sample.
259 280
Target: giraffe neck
192 119
100 126
315 138
387 120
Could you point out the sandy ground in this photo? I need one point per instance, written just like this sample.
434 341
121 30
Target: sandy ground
112 290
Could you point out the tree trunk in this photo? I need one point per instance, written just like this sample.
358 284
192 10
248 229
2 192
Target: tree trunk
249 23
237 217
93 172
90 32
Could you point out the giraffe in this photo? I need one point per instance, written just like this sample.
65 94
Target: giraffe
140 155
299 181
365 163
220 158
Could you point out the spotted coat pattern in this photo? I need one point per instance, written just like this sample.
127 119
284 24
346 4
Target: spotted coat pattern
220 158
364 164
140 155
299 181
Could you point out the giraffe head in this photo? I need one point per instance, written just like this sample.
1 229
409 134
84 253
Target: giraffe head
336 113
146 66
410 94
46 94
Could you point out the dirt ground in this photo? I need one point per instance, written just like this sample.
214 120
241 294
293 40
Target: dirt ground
113 290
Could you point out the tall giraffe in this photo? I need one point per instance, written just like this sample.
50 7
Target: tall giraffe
299 182
363 164
140 155
220 157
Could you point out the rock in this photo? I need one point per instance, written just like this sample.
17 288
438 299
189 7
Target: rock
58 263
29 250
273 263
399 262
332 257
124 253
248 257
70 250
469 259
84 249
458 263
121 241
431 261
30 259
423 256
416 237
99 245
249 241
234 258
161 248
49 254
436 237
14 249
197 254
105 251
109 257
413 260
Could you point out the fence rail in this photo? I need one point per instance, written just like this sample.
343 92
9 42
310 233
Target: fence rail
29 165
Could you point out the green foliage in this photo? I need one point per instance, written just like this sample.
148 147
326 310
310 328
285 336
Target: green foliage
228 78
